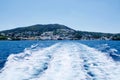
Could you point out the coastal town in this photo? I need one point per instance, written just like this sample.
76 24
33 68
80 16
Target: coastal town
54 32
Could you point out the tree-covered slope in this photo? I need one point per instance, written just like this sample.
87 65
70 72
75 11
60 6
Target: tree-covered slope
37 28
55 31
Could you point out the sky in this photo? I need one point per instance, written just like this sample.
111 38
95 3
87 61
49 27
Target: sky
84 15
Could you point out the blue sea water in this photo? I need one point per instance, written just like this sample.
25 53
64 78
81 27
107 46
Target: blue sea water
94 56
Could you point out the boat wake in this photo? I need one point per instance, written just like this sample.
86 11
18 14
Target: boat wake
61 61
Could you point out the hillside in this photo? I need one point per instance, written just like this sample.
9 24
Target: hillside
36 28
53 32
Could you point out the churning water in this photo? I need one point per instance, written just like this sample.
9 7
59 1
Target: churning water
63 60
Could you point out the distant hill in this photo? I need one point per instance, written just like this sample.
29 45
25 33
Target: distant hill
53 32
37 28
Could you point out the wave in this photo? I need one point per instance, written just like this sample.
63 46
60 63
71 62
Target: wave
61 61
112 52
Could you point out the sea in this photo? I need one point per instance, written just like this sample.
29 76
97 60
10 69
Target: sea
60 60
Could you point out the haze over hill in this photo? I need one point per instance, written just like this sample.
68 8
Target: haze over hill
53 32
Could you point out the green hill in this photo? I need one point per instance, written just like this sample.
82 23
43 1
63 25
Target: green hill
36 28
55 32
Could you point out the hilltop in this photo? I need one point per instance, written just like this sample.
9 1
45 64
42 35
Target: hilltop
53 32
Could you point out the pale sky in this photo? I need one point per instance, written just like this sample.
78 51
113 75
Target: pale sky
85 15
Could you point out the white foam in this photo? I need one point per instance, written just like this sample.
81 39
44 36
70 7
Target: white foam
62 61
